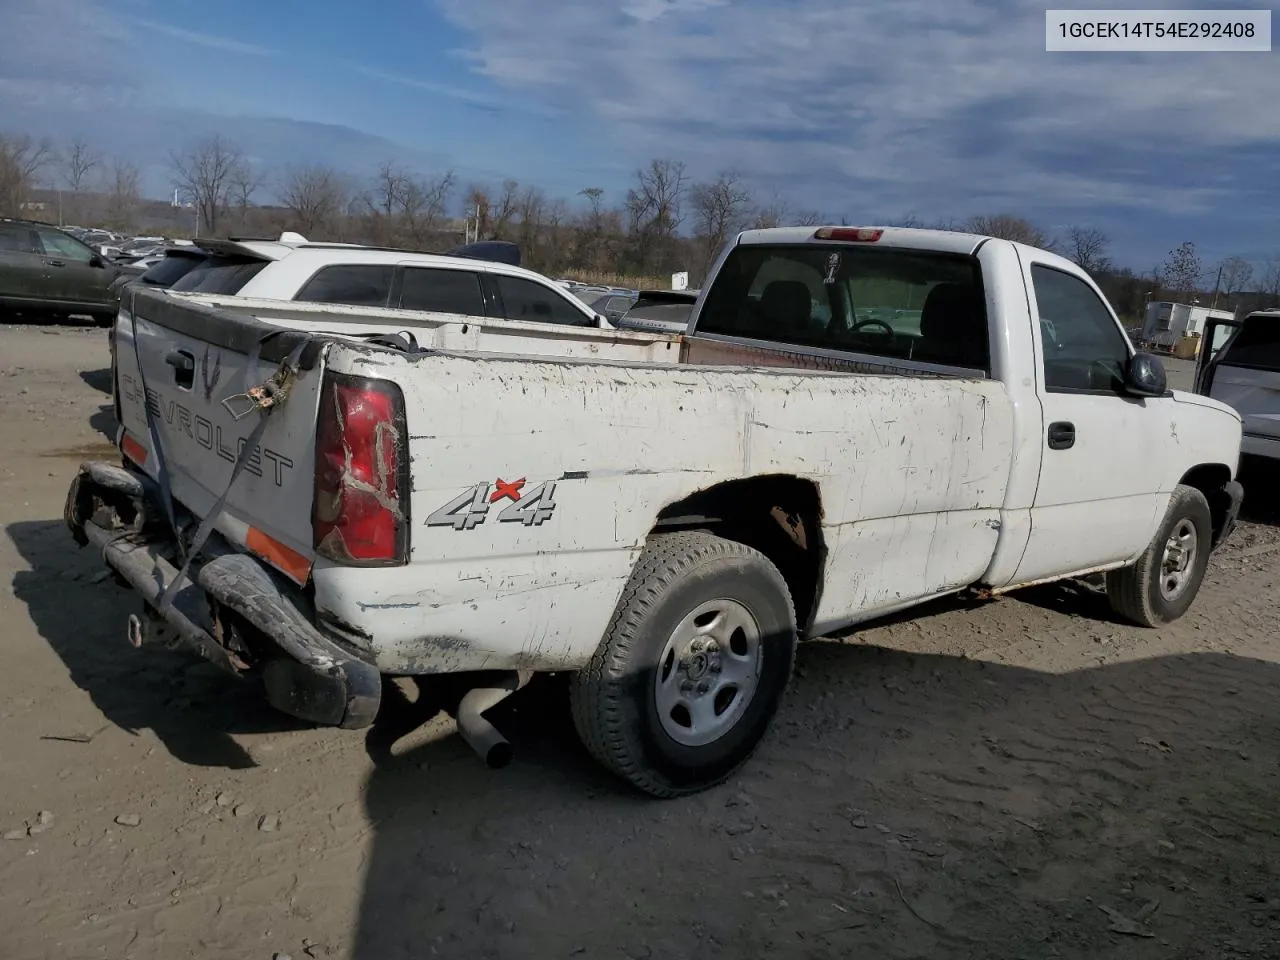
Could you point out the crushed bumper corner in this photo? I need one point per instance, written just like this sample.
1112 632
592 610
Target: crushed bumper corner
313 677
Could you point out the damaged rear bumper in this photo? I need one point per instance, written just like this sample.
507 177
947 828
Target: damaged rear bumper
307 674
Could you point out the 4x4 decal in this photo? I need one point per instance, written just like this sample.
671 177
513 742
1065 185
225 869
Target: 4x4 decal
471 508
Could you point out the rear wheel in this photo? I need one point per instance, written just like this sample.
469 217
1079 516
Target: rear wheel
1162 585
692 668
104 319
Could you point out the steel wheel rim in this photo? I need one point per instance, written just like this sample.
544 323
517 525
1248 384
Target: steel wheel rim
1178 559
708 672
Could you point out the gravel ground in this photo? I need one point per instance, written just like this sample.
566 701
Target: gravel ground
1024 778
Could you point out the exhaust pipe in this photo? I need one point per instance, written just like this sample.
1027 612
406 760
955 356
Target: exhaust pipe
480 734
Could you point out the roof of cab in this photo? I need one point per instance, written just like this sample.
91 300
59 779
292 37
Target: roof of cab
945 240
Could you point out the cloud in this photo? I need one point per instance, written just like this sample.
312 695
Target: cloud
480 101
950 103
212 41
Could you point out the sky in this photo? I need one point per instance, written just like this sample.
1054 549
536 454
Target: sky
868 112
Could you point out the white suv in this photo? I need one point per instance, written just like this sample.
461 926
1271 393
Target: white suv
292 268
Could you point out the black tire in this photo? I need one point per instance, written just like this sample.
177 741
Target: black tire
613 698
1136 592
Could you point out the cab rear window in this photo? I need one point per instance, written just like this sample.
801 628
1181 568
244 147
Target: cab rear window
886 302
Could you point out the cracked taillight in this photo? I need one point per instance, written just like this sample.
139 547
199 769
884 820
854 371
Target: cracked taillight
360 515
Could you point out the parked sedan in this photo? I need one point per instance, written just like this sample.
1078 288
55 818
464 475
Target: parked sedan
46 270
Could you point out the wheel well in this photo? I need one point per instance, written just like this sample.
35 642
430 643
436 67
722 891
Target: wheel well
1211 479
780 515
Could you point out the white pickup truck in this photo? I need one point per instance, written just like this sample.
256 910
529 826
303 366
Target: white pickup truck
857 420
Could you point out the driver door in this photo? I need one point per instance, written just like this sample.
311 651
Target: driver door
1099 493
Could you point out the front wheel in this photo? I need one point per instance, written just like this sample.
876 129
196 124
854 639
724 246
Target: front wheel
692 667
1161 586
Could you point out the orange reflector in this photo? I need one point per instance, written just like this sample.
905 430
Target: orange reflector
133 450
285 559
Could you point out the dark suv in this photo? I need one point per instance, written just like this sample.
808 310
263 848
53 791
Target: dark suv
45 270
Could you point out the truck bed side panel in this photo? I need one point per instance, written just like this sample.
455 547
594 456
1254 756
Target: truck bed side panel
912 474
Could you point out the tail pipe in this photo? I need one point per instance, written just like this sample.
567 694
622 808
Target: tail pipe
479 733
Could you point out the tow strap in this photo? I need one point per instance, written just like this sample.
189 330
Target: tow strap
263 397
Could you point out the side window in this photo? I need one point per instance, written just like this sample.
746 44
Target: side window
525 300
1083 347
58 244
17 238
354 284
442 291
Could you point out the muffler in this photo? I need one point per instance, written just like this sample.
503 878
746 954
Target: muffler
480 734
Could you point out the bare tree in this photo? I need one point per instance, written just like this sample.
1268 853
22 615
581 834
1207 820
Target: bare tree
1237 272
203 174
1087 249
123 193
1181 271
21 161
807 218
720 208
504 210
478 205
1008 227
78 162
595 197
654 208
772 213
530 207
425 203
1269 282
243 182
315 197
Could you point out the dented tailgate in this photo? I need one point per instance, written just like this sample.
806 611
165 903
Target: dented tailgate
193 358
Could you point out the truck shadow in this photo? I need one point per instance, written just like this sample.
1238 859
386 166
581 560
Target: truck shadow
1260 478
99 380
903 806
192 706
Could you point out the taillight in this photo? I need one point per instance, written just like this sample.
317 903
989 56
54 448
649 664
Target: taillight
361 511
849 234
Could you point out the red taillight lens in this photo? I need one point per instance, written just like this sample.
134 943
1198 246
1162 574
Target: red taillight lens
361 510
849 234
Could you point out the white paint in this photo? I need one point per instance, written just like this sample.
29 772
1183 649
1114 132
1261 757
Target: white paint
928 484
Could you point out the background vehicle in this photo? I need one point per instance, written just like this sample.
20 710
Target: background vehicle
861 419
613 305
45 270
660 311
1239 364
291 268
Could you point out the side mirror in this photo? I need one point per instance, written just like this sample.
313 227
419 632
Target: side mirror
1145 376
96 261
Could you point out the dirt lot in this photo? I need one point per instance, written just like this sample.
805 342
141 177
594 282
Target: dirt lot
1021 779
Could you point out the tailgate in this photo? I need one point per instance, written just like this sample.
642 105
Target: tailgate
193 357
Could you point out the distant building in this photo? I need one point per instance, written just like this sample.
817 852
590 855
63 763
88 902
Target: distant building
1166 323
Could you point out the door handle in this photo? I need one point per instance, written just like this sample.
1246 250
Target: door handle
56 263
1062 435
